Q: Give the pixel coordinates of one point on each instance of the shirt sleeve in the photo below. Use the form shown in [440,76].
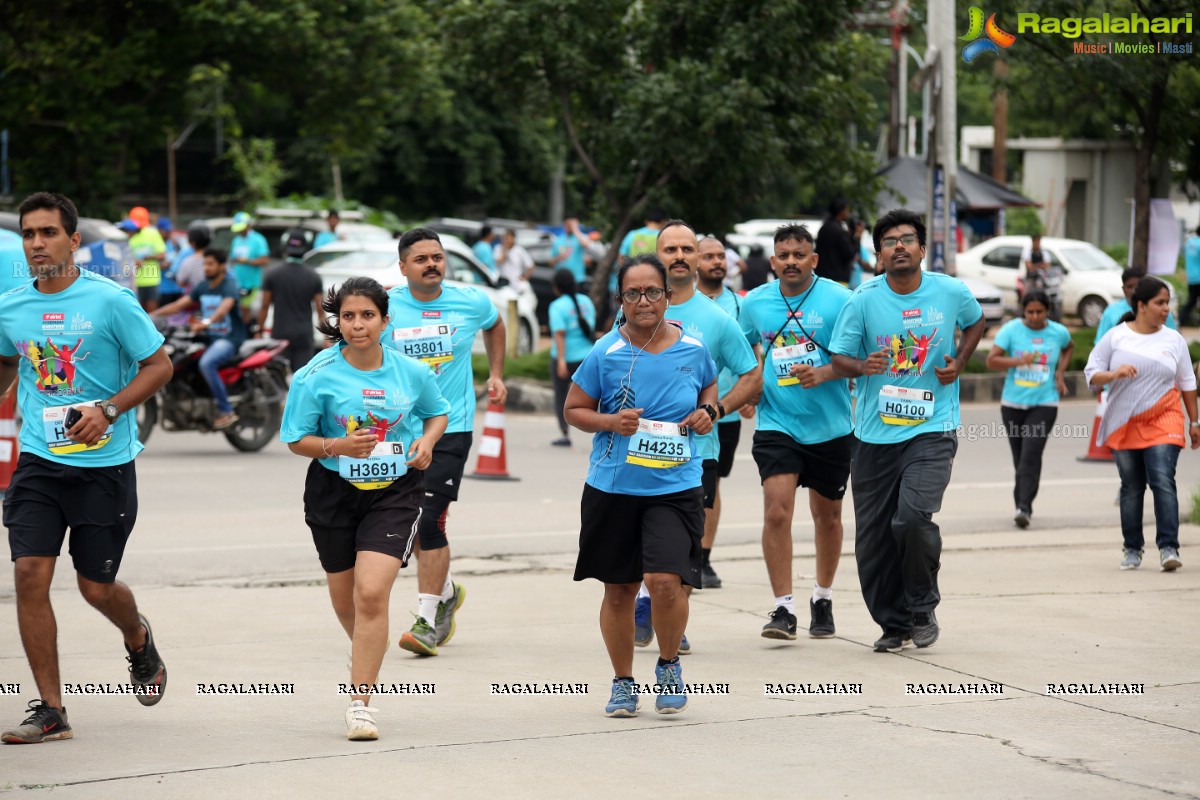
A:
[259,246]
[849,331]
[587,377]
[486,311]
[969,310]
[1100,357]
[430,402]
[1185,376]
[134,330]
[301,413]
[1004,337]
[735,350]
[557,323]
[626,244]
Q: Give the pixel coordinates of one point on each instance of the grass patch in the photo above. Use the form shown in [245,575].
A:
[1194,514]
[534,365]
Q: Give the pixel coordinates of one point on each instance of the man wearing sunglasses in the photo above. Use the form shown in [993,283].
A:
[701,318]
[896,336]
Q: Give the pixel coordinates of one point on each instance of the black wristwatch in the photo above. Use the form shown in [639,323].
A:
[109,409]
[712,412]
[721,408]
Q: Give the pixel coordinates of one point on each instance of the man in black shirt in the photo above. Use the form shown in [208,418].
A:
[836,248]
[295,290]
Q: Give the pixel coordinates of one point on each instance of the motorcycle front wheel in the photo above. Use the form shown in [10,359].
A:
[260,414]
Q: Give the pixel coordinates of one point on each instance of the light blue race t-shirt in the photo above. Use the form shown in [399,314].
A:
[798,330]
[570,245]
[484,252]
[247,247]
[1113,313]
[331,398]
[76,347]
[440,334]
[563,318]
[917,332]
[731,304]
[702,319]
[1034,384]
[666,386]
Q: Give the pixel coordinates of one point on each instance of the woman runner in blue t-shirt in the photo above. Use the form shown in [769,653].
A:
[354,410]
[645,390]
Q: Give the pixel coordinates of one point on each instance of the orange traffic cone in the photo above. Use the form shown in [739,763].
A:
[493,462]
[1097,451]
[8,439]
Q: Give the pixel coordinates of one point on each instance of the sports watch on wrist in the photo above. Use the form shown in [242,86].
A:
[109,409]
[712,412]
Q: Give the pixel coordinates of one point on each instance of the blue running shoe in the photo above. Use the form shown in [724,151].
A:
[623,702]
[671,698]
[643,632]
[685,646]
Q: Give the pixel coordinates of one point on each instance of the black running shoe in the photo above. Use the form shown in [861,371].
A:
[892,641]
[709,579]
[925,629]
[44,724]
[781,626]
[147,672]
[821,615]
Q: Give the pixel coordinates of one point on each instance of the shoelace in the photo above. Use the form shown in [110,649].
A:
[140,666]
[358,711]
[671,676]
[622,692]
[38,709]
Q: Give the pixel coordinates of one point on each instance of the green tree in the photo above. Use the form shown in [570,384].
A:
[699,107]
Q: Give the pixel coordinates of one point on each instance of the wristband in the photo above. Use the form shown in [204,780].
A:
[721,408]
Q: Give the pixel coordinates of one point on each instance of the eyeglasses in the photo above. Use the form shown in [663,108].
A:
[652,295]
[908,240]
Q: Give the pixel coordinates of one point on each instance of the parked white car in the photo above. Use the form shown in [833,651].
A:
[1091,278]
[380,260]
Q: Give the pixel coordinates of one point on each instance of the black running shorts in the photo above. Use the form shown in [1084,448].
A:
[728,434]
[824,466]
[98,504]
[445,473]
[624,536]
[345,520]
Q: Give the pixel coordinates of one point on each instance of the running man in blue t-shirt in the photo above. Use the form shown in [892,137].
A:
[76,470]
[437,324]
[647,391]
[804,424]
[1035,350]
[896,335]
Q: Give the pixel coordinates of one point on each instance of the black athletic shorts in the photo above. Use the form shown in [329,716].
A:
[624,536]
[445,473]
[345,520]
[729,434]
[824,466]
[98,504]
[708,481]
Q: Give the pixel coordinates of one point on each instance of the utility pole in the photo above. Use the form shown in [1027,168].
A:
[1000,120]
[942,177]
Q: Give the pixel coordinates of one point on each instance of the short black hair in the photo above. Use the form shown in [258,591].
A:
[837,205]
[217,253]
[898,216]
[796,231]
[485,231]
[673,223]
[50,201]
[656,215]
[1132,272]
[409,238]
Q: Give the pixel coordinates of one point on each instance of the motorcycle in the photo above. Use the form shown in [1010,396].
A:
[257,382]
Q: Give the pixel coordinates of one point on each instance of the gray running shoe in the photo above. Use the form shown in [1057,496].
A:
[1170,559]
[44,724]
[443,622]
[1132,560]
[925,629]
[147,673]
[421,639]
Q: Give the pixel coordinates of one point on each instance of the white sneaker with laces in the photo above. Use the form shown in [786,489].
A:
[360,725]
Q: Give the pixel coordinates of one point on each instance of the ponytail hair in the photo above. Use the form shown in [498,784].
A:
[1146,290]
[564,282]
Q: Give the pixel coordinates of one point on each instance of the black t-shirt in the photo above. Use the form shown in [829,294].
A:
[292,286]
[835,250]
[757,272]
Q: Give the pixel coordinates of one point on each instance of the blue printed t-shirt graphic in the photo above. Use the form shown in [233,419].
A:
[440,334]
[245,247]
[731,305]
[1032,384]
[76,347]
[976,46]
[811,415]
[563,318]
[666,386]
[331,398]
[916,331]
[569,244]
[704,320]
[208,297]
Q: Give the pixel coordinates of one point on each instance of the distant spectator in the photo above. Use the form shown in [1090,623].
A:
[1191,258]
[175,241]
[570,249]
[514,261]
[330,236]
[639,242]
[837,246]
[295,289]
[190,270]
[484,249]
[758,269]
[572,324]
[249,254]
[149,249]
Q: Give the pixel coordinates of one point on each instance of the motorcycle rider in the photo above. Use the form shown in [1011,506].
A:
[1041,275]
[217,298]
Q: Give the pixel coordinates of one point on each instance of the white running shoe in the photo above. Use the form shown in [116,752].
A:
[360,725]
